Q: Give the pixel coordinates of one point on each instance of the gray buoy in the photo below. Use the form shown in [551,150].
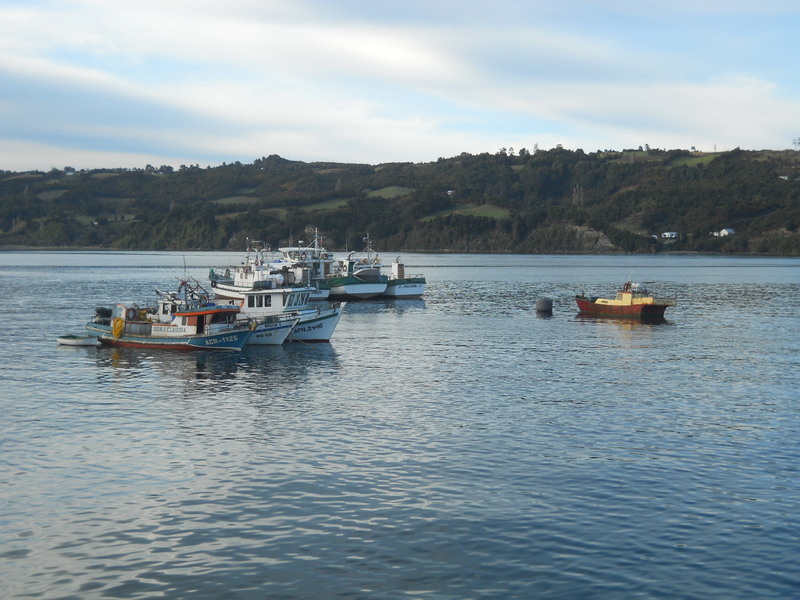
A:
[544,305]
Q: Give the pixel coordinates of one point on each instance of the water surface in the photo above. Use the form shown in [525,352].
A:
[458,446]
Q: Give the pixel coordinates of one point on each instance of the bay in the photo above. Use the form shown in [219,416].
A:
[458,446]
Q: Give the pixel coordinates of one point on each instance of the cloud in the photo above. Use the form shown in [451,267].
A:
[203,82]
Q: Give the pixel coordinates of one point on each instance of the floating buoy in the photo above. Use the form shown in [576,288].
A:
[544,305]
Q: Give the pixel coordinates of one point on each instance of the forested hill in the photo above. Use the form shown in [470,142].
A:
[548,201]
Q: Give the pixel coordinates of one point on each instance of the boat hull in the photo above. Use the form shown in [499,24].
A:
[319,295]
[233,339]
[352,288]
[411,287]
[271,332]
[316,326]
[636,311]
[77,340]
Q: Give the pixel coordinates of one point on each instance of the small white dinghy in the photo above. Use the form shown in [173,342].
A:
[77,340]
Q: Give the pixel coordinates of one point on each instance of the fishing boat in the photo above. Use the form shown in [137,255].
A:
[261,292]
[77,340]
[311,323]
[357,277]
[399,285]
[632,300]
[306,265]
[269,329]
[255,272]
[183,320]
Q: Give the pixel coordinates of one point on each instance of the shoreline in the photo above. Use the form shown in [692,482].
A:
[20,248]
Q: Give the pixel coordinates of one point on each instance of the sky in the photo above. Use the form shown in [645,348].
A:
[98,84]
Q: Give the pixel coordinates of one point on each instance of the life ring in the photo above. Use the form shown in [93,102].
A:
[117,327]
[130,314]
[324,256]
[302,256]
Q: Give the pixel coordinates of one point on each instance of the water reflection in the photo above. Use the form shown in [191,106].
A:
[255,368]
[624,322]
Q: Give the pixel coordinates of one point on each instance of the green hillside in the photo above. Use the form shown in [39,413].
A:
[548,201]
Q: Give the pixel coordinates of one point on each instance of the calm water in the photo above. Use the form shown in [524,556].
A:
[459,446]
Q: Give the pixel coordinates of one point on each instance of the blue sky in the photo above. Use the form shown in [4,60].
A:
[93,83]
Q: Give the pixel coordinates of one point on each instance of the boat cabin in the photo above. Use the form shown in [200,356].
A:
[366,269]
[172,316]
[261,303]
[304,265]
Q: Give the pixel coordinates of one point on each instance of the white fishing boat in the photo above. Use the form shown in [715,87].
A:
[255,272]
[357,277]
[401,285]
[312,323]
[261,292]
[306,265]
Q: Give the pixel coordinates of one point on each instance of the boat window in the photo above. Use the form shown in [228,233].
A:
[260,301]
[251,301]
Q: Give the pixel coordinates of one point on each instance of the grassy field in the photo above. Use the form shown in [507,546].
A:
[235,200]
[327,205]
[694,160]
[473,210]
[393,191]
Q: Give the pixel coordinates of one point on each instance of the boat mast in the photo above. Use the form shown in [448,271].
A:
[369,247]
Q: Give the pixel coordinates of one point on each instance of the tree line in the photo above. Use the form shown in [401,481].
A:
[542,201]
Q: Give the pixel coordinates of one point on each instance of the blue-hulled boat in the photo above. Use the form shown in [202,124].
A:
[183,320]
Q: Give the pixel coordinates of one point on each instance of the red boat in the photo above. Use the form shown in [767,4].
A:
[632,300]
